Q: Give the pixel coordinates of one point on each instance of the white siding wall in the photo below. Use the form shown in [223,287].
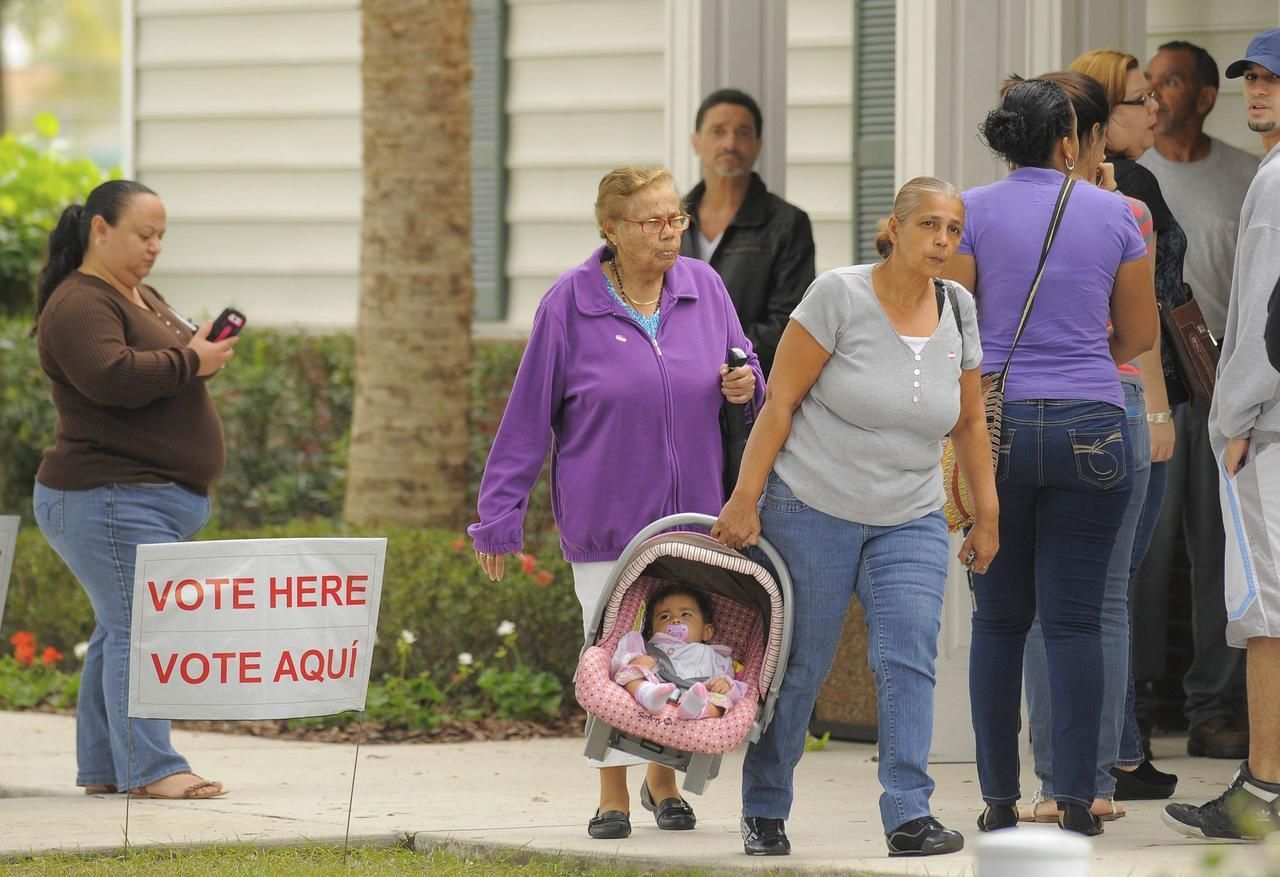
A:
[1224,30]
[820,122]
[247,122]
[585,93]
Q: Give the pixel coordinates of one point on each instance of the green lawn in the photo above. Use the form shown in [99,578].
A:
[318,860]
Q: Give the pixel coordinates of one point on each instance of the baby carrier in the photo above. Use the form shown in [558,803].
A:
[751,617]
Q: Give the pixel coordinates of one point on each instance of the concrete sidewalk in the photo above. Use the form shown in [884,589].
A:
[535,795]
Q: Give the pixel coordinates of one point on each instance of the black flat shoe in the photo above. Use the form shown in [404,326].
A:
[997,817]
[1145,783]
[1078,818]
[672,814]
[764,837]
[925,836]
[609,825]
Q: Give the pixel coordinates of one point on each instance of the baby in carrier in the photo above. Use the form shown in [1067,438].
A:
[677,658]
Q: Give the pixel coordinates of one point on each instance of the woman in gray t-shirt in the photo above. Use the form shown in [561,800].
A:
[877,365]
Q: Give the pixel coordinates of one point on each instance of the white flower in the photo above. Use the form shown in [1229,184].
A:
[465,659]
[506,628]
[81,650]
[408,637]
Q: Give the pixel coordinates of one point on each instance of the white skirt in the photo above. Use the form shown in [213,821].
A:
[589,581]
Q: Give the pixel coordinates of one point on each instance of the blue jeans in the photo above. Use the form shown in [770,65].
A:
[1131,754]
[1115,625]
[1064,484]
[97,533]
[898,574]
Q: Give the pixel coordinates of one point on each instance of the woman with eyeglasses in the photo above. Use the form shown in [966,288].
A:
[623,380]
[1130,133]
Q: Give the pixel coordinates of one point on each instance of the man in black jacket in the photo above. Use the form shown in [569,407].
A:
[761,246]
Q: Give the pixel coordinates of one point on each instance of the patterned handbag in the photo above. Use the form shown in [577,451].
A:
[958,506]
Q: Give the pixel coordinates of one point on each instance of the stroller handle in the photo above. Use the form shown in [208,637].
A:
[686,519]
[670,522]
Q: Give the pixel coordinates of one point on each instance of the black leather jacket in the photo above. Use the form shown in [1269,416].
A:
[765,258]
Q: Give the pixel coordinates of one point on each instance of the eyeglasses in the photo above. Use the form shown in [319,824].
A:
[655,225]
[1146,98]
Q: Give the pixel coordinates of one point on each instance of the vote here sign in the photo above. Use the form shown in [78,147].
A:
[254,628]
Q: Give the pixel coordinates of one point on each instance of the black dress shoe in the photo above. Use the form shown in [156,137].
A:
[1219,737]
[1078,818]
[997,817]
[925,836]
[1144,783]
[672,814]
[609,825]
[764,837]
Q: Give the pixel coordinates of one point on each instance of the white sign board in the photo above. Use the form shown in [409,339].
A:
[253,629]
[8,542]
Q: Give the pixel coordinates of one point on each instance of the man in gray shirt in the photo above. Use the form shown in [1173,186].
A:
[1204,182]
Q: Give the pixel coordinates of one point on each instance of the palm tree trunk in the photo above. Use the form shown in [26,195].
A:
[408,455]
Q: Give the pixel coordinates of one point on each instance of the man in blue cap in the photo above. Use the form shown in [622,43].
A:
[1244,429]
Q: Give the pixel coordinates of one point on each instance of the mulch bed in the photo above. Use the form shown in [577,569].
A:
[452,731]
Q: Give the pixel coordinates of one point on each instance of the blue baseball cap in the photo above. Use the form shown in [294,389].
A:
[1264,50]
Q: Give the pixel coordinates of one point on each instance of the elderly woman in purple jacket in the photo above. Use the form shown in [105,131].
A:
[623,379]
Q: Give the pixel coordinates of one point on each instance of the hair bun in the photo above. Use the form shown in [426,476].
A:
[1006,131]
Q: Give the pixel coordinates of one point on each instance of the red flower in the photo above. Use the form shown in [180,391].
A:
[459,544]
[50,656]
[24,647]
[528,564]
[544,577]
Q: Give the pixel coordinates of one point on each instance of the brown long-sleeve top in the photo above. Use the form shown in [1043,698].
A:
[131,407]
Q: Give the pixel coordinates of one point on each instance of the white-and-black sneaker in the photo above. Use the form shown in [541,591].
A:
[1247,810]
[925,836]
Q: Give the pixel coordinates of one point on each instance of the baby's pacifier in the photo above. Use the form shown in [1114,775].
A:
[678,631]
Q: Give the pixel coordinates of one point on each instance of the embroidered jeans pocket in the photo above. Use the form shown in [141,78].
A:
[1099,455]
[49,505]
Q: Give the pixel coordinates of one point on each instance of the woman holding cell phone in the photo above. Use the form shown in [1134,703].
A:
[137,446]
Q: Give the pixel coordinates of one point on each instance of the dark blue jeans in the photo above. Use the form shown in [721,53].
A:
[1063,481]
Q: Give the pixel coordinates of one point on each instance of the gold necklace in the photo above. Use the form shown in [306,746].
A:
[613,263]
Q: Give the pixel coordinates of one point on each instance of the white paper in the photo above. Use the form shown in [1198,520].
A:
[254,629]
[8,543]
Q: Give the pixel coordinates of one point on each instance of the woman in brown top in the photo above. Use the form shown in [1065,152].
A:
[137,445]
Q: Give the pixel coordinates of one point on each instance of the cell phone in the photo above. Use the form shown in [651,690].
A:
[228,325]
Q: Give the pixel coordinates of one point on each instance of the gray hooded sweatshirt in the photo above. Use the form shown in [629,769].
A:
[1246,399]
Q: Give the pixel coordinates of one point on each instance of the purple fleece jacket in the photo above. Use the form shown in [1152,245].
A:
[633,424]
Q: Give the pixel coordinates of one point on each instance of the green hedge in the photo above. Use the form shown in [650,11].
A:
[286,411]
[431,587]
[286,407]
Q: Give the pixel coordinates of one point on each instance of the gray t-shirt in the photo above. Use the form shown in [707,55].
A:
[1205,197]
[1246,398]
[866,442]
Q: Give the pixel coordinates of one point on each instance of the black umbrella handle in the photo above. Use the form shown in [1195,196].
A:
[735,427]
